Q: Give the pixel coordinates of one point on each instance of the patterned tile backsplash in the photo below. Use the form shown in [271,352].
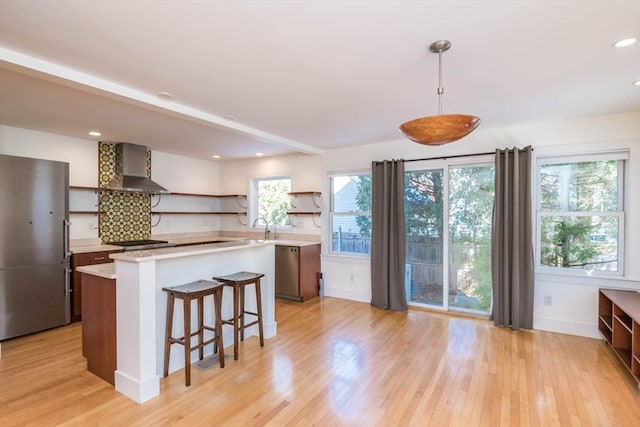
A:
[127,216]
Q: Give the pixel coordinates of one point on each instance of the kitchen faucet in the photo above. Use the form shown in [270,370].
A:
[266,227]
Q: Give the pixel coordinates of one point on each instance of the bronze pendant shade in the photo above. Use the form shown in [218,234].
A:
[442,128]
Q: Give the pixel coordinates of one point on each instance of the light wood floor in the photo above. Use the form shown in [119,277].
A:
[340,363]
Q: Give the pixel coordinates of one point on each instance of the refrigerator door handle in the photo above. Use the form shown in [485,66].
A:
[67,250]
[67,281]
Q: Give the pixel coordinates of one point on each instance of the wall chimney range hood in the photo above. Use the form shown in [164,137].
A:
[131,171]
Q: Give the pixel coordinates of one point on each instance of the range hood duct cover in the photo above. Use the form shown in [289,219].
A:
[131,171]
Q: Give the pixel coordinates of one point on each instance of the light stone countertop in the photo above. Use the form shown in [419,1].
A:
[94,245]
[185,251]
[81,248]
[298,243]
[108,271]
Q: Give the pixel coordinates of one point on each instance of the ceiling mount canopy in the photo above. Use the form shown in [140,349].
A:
[442,128]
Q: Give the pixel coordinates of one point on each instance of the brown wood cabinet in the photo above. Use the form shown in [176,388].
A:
[99,326]
[619,322]
[78,260]
[297,276]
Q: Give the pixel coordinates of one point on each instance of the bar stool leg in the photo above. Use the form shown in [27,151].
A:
[236,315]
[168,332]
[242,309]
[218,344]
[187,339]
[259,310]
[200,327]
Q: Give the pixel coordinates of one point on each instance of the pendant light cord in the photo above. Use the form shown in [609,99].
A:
[440,88]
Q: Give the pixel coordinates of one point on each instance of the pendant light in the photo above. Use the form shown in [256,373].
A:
[442,128]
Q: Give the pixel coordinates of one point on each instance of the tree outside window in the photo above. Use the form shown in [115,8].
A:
[272,199]
[581,215]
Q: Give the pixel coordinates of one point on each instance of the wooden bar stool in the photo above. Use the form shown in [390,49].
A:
[239,281]
[194,291]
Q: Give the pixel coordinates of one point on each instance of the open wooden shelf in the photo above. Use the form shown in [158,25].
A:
[241,201]
[87,212]
[215,196]
[619,322]
[304,193]
[78,187]
[305,203]
[195,213]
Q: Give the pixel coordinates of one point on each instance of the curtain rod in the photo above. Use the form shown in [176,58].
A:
[453,157]
[450,157]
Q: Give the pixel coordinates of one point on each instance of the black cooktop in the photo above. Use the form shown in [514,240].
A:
[134,245]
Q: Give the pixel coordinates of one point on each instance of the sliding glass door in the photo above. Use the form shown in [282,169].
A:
[448,220]
[423,206]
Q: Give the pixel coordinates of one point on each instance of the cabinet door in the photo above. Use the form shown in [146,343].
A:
[309,270]
[78,260]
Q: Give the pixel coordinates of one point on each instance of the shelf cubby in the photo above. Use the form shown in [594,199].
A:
[619,323]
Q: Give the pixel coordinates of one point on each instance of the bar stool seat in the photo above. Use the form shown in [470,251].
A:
[194,291]
[239,281]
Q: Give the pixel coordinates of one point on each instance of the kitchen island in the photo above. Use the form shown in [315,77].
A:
[141,304]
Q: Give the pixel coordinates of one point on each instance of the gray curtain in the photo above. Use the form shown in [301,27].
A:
[511,240]
[388,235]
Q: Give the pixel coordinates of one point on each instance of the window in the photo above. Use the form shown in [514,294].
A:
[270,200]
[350,216]
[581,214]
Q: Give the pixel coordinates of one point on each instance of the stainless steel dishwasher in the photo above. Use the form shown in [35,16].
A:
[287,269]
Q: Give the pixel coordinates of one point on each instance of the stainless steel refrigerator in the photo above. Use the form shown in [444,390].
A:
[34,245]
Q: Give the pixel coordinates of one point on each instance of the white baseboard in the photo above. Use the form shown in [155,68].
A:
[137,391]
[588,330]
[348,294]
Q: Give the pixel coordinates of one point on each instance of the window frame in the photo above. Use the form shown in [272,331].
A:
[253,201]
[621,214]
[333,214]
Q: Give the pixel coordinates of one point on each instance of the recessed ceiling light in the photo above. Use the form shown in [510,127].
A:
[95,133]
[625,42]
[165,95]
[216,156]
[259,154]
[636,83]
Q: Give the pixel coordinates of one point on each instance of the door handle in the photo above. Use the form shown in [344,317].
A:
[66,225]
[67,281]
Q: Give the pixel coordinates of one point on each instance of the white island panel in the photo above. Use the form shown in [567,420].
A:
[141,305]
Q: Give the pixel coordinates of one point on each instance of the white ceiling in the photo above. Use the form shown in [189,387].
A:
[305,76]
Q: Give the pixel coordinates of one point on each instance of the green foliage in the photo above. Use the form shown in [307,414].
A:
[363,201]
[483,289]
[471,199]
[273,200]
[580,186]
[471,204]
[423,203]
[570,246]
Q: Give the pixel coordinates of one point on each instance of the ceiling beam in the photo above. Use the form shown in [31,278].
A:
[56,73]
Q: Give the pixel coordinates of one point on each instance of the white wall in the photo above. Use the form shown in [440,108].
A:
[184,175]
[81,154]
[306,172]
[573,308]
